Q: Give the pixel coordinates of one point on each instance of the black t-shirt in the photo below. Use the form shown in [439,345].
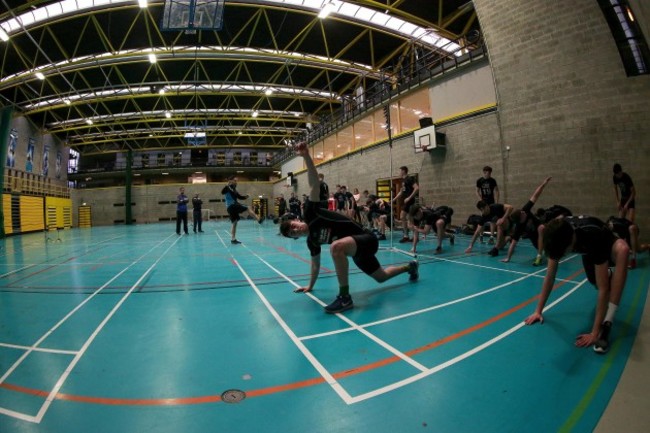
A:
[196,204]
[530,224]
[282,206]
[497,211]
[326,226]
[407,187]
[294,205]
[625,185]
[324,193]
[593,238]
[486,188]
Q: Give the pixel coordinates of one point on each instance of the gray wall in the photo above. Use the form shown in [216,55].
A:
[146,198]
[565,109]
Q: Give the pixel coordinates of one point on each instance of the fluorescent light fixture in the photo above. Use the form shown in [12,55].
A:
[89,121]
[240,171]
[143,3]
[327,10]
[240,133]
[3,35]
[40,75]
[194,134]
[256,113]
[164,174]
[136,174]
[67,101]
[268,92]
[152,58]
[161,91]
[168,114]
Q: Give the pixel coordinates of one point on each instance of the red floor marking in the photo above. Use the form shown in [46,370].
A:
[278,388]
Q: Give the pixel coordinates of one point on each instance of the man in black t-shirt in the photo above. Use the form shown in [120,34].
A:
[487,190]
[626,201]
[497,214]
[408,195]
[524,223]
[599,247]
[323,191]
[347,239]
[438,217]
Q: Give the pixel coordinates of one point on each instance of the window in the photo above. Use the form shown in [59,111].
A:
[630,42]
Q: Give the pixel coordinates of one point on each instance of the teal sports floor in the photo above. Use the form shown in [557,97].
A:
[135,329]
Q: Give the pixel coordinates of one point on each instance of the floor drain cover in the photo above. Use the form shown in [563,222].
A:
[233,396]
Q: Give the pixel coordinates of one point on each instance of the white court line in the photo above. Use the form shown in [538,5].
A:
[433,307]
[39,349]
[310,357]
[354,326]
[77,354]
[31,265]
[457,359]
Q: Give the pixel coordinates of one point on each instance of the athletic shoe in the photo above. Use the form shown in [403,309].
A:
[494,252]
[538,261]
[341,303]
[413,270]
[405,240]
[602,345]
[632,264]
[261,220]
[452,239]
[438,250]
[235,241]
[491,240]
[381,237]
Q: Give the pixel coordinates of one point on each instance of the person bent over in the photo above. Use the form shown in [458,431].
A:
[440,217]
[599,247]
[347,239]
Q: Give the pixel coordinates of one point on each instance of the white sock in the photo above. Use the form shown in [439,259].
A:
[611,311]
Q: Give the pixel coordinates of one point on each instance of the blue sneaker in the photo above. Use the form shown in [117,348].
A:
[340,304]
[413,270]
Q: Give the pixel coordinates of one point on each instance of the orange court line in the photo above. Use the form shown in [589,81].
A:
[285,387]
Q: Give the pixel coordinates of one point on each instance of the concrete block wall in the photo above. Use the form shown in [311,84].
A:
[566,107]
[147,208]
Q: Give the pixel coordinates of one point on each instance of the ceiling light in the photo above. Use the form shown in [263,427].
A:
[40,75]
[256,113]
[240,133]
[327,10]
[3,35]
[164,174]
[194,135]
[168,114]
[89,121]
[143,3]
[67,101]
[161,91]
[152,58]
[268,92]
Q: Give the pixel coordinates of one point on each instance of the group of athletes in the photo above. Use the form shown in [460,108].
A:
[554,232]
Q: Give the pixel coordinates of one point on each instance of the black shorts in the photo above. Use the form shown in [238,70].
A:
[407,206]
[367,246]
[234,210]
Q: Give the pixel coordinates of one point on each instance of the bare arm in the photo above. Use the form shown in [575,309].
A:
[312,174]
[496,194]
[539,189]
[547,286]
[602,283]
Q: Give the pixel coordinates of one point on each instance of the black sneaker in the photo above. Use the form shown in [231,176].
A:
[235,241]
[438,250]
[452,239]
[261,220]
[494,252]
[602,345]
[413,270]
[340,304]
